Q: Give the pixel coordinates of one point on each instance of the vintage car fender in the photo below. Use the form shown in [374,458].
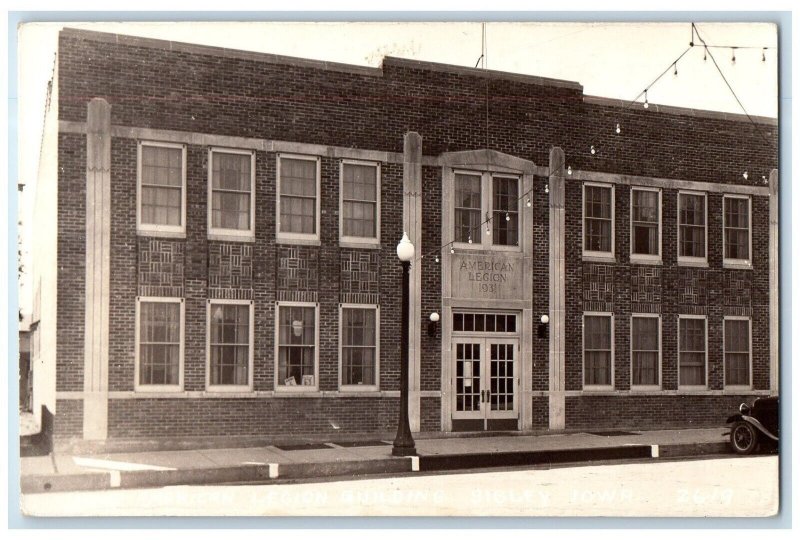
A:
[752,421]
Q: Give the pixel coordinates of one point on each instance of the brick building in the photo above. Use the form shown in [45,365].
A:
[223,259]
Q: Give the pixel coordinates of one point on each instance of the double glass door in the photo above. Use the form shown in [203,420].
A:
[485,383]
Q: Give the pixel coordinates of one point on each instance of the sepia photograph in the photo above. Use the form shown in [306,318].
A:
[376,268]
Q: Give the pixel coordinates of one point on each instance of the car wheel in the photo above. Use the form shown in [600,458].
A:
[744,438]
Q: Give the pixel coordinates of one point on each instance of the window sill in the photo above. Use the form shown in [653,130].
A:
[161,234]
[298,241]
[598,388]
[696,263]
[232,389]
[350,244]
[737,265]
[357,390]
[731,389]
[645,388]
[692,389]
[283,391]
[225,237]
[642,259]
[599,257]
[157,389]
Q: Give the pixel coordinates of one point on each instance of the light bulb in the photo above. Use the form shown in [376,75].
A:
[488,232]
[745,175]
[764,54]
[646,104]
[618,130]
[437,259]
[676,69]
[547,188]
[705,57]
[528,202]
[508,218]
[469,239]
[733,56]
[569,170]
[593,150]
[452,251]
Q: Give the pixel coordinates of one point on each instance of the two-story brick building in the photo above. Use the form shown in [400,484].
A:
[223,259]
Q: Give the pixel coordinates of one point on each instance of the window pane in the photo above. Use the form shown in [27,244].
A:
[644,219]
[597,350]
[597,222]
[230,171]
[360,182]
[467,207]
[298,215]
[297,341]
[737,228]
[692,220]
[692,352]
[358,346]
[505,193]
[645,349]
[162,166]
[737,352]
[230,344]
[160,206]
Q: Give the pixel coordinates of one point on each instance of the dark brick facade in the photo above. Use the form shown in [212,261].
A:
[240,96]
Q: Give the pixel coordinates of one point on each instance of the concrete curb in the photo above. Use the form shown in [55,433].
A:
[47,483]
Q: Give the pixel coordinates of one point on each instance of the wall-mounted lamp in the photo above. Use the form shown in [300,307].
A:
[434,318]
[542,330]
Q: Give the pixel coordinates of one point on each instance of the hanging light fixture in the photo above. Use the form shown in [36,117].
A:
[675,65]
[745,175]
[733,55]
[547,188]
[618,130]
[593,150]
[646,104]
[569,170]
[764,54]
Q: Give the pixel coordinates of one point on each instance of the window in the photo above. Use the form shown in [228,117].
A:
[468,208]
[645,350]
[505,211]
[645,224]
[692,351]
[298,198]
[479,196]
[737,351]
[597,350]
[358,337]
[360,202]
[230,345]
[296,342]
[159,344]
[692,227]
[598,220]
[231,187]
[736,229]
[161,188]
[484,322]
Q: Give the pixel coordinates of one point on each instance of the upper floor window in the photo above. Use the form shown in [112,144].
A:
[298,198]
[360,202]
[645,224]
[359,347]
[598,354]
[231,208]
[162,188]
[159,344]
[736,229]
[230,344]
[486,210]
[692,351]
[692,227]
[598,220]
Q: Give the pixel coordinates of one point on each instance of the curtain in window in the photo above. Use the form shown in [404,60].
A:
[296,343]
[298,196]
[645,222]
[467,207]
[692,352]
[358,346]
[597,350]
[737,352]
[159,342]
[359,200]
[230,196]
[597,211]
[644,345]
[230,344]
[161,185]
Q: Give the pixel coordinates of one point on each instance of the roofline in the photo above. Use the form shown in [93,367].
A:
[192,48]
[685,111]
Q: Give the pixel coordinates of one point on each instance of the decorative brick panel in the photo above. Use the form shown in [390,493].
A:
[298,268]
[161,267]
[360,271]
[230,271]
[692,286]
[646,284]
[598,286]
[738,284]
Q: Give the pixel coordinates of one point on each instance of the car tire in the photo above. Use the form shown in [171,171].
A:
[744,438]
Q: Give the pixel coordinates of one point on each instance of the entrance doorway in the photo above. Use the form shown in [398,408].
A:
[485,383]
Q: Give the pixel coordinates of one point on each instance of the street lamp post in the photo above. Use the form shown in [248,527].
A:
[404,442]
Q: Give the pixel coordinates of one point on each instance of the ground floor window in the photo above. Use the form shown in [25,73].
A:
[359,346]
[230,343]
[297,339]
[737,352]
[159,343]
[645,350]
[692,353]
[597,349]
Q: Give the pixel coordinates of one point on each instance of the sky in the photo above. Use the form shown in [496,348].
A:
[616,60]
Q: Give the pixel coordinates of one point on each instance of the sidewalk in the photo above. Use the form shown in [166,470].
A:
[64,472]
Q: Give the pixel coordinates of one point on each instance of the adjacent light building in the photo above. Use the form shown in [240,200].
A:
[220,262]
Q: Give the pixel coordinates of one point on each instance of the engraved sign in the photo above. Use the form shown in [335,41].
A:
[490,276]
